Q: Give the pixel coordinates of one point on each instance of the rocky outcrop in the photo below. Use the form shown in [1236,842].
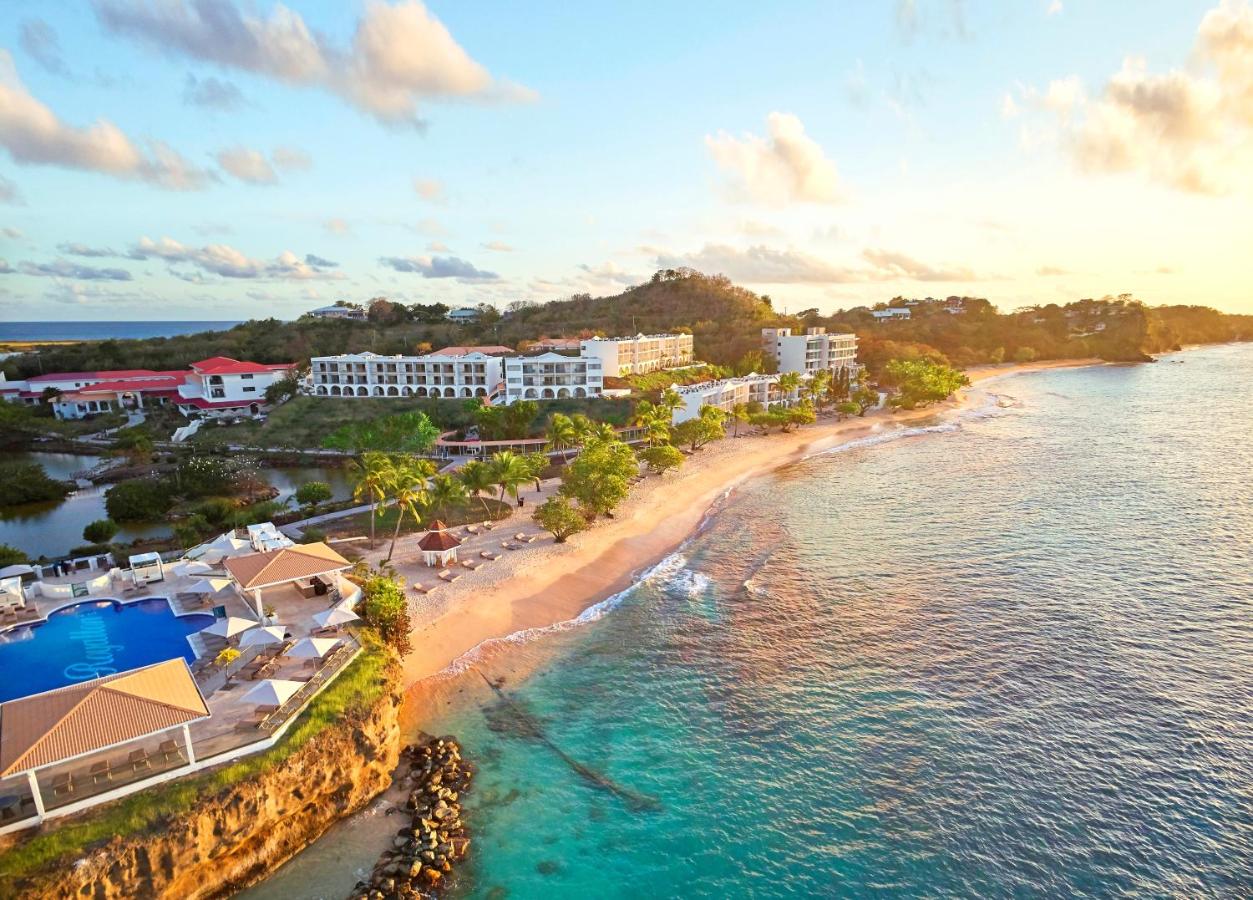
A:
[228,841]
[424,851]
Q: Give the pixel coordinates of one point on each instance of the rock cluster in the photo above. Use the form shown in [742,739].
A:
[423,852]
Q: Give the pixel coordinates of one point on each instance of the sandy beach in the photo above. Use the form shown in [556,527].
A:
[549,583]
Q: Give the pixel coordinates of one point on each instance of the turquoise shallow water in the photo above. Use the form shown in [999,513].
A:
[1006,655]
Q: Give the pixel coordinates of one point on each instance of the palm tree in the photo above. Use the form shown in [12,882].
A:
[509,471]
[445,490]
[583,427]
[537,464]
[477,477]
[655,420]
[561,433]
[372,475]
[409,490]
[820,386]
[739,413]
[670,401]
[787,383]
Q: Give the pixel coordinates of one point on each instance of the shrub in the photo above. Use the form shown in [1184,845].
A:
[217,510]
[100,531]
[661,458]
[312,535]
[387,611]
[558,515]
[207,476]
[29,483]
[140,500]
[311,493]
[11,556]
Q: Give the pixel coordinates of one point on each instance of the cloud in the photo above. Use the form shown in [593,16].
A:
[5,268]
[33,135]
[319,261]
[429,189]
[9,193]
[1054,8]
[252,166]
[211,93]
[439,267]
[498,246]
[12,234]
[760,264]
[226,261]
[437,247]
[1191,130]
[1051,271]
[41,44]
[786,167]
[429,228]
[911,22]
[399,57]
[76,249]
[337,226]
[892,265]
[62,268]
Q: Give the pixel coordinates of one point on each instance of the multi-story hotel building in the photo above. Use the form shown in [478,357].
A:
[638,355]
[807,353]
[454,372]
[726,393]
[551,376]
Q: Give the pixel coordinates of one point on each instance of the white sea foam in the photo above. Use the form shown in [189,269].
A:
[669,569]
[884,437]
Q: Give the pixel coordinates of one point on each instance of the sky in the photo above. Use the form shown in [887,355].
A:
[227,159]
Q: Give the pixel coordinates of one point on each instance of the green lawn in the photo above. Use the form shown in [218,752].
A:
[357,688]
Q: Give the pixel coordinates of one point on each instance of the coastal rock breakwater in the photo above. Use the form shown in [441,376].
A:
[424,851]
[232,839]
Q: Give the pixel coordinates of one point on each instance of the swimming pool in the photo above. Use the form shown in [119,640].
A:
[90,639]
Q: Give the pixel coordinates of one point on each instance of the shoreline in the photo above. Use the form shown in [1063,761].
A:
[553,584]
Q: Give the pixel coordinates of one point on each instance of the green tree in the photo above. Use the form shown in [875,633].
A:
[849,408]
[536,465]
[788,382]
[800,414]
[820,387]
[706,427]
[1025,354]
[408,486]
[670,401]
[558,515]
[11,556]
[28,483]
[738,415]
[864,399]
[445,491]
[100,531]
[386,611]
[477,477]
[311,493]
[372,477]
[919,382]
[661,458]
[599,478]
[281,391]
[509,472]
[138,500]
[561,433]
[655,420]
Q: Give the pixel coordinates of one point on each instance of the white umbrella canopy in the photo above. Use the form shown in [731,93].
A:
[209,586]
[229,626]
[263,637]
[336,615]
[196,567]
[272,692]
[312,648]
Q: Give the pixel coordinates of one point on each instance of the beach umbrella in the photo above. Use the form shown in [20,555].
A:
[195,568]
[312,648]
[229,627]
[263,637]
[209,586]
[273,692]
[336,615]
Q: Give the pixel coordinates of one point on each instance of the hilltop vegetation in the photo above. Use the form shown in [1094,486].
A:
[724,319]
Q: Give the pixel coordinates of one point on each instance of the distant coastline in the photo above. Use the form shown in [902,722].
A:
[73,332]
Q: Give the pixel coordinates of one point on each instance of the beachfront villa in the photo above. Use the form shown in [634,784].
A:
[807,353]
[726,393]
[214,387]
[453,372]
[638,355]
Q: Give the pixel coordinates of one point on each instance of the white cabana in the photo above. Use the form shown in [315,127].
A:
[146,567]
[17,571]
[229,626]
[335,616]
[209,586]
[273,692]
[263,637]
[312,648]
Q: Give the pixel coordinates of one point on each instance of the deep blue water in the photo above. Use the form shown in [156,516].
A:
[92,639]
[100,331]
[1006,654]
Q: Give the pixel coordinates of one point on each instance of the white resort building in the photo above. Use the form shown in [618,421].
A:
[725,393]
[622,356]
[451,372]
[807,353]
[213,387]
[551,376]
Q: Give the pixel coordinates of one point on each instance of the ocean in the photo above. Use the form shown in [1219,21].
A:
[101,331]
[1008,652]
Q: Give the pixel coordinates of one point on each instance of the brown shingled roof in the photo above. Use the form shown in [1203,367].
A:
[286,564]
[438,539]
[66,722]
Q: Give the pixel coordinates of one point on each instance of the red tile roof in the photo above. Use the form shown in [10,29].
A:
[224,365]
[202,403]
[287,564]
[105,375]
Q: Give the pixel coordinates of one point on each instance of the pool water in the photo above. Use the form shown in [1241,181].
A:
[91,639]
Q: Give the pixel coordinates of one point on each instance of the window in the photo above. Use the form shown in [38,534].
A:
[247,389]
[246,377]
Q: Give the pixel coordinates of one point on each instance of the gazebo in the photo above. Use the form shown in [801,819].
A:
[439,546]
[71,722]
[303,566]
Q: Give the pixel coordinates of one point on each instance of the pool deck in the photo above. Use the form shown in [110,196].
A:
[234,725]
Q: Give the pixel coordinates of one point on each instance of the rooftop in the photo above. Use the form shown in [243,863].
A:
[288,564]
